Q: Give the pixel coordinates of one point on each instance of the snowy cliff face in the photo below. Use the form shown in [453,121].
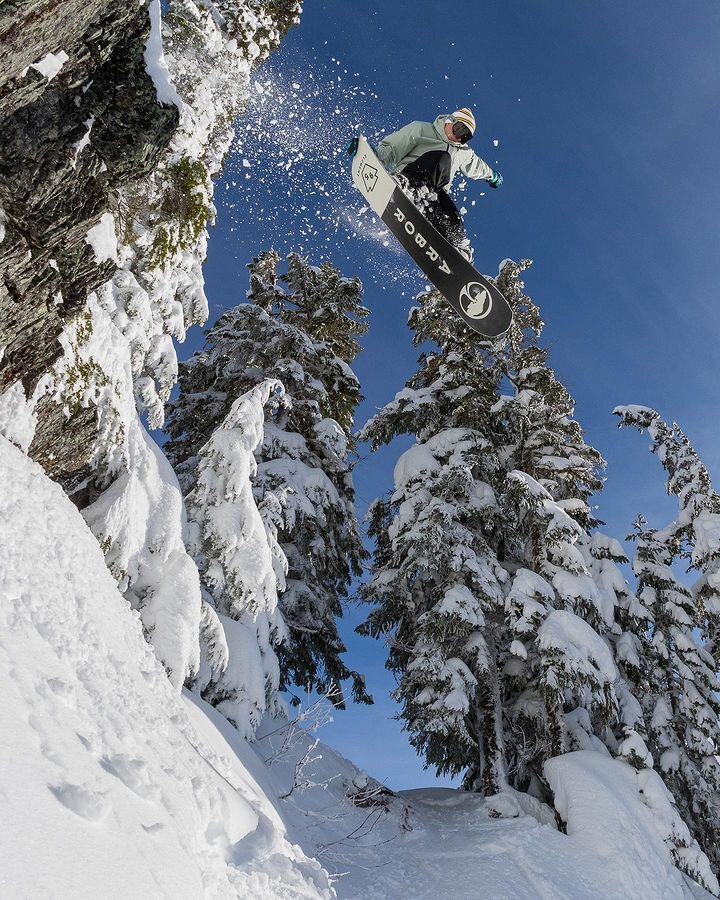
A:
[113,124]
[80,119]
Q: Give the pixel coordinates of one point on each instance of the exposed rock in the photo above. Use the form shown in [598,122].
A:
[55,183]
[57,444]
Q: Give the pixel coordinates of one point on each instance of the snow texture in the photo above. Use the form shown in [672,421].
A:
[155,63]
[707,535]
[141,516]
[415,464]
[94,371]
[49,66]
[102,239]
[17,416]
[578,645]
[625,819]
[240,562]
[79,146]
[223,507]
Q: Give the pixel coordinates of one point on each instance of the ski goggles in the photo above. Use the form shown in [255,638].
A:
[461,132]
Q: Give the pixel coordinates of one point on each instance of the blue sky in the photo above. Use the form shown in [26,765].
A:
[607,123]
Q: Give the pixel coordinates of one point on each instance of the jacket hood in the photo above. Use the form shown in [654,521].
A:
[439,125]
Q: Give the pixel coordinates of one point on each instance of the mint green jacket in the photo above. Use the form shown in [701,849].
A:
[403,147]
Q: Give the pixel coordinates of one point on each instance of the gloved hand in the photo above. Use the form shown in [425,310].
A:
[351,148]
[496,180]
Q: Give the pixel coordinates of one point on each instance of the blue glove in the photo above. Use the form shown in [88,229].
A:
[351,148]
[496,180]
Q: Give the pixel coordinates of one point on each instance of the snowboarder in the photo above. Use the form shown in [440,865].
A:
[474,297]
[429,155]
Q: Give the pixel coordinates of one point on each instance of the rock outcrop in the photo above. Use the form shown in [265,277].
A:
[55,183]
[105,195]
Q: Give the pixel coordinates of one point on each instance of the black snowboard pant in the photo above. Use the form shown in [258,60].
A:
[432,170]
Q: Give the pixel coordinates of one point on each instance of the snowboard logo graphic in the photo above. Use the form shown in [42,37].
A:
[369,175]
[475,300]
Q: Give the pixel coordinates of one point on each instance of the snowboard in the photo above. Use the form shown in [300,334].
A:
[476,299]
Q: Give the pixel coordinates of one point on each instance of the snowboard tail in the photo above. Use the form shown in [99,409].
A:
[476,299]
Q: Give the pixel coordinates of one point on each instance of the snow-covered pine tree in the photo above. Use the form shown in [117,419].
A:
[436,579]
[559,674]
[240,568]
[481,584]
[679,691]
[301,328]
[625,622]
[681,701]
[698,521]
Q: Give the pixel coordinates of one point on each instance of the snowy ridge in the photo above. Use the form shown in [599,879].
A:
[438,843]
[619,814]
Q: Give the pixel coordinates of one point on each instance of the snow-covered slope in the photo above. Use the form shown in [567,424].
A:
[104,790]
[444,844]
[114,786]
